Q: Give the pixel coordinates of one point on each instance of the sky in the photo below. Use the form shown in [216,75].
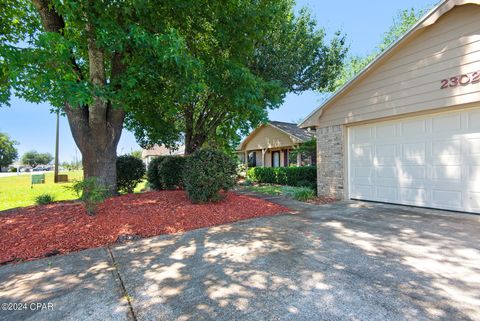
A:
[363,22]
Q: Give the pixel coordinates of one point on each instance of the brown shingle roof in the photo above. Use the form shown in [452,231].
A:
[160,150]
[294,130]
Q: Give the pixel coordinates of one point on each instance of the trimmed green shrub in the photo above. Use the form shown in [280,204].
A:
[293,176]
[44,199]
[130,172]
[153,177]
[166,172]
[170,172]
[92,192]
[206,173]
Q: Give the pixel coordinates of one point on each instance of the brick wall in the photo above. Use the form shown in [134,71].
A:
[330,161]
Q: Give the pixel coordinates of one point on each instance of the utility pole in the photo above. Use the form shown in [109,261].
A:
[55,178]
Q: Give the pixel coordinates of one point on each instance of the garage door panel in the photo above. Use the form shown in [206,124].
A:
[473,146]
[446,123]
[363,192]
[451,173]
[386,172]
[431,161]
[412,172]
[451,147]
[413,196]
[362,135]
[474,200]
[414,153]
[386,193]
[413,128]
[389,130]
[443,198]
[473,120]
[362,154]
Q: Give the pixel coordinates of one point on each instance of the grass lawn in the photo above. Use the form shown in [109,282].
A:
[298,193]
[16,191]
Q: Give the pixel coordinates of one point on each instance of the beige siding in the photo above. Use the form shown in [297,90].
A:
[408,80]
[268,137]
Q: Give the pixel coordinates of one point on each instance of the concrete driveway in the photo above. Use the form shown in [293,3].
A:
[345,261]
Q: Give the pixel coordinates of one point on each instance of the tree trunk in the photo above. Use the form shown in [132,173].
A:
[100,162]
[98,144]
[97,128]
[188,114]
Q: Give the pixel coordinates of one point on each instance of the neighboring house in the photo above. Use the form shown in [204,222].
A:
[270,145]
[406,130]
[160,150]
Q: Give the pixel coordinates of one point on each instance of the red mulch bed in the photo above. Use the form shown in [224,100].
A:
[322,200]
[40,231]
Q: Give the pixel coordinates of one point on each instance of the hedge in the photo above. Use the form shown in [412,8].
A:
[130,172]
[166,172]
[292,176]
[206,173]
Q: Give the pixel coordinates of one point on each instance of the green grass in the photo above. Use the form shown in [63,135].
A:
[298,193]
[16,191]
[266,189]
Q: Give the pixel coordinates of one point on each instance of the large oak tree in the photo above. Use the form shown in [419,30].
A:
[100,61]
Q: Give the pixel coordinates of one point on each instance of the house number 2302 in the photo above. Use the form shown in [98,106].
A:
[462,80]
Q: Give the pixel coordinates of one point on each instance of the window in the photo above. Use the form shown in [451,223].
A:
[276,159]
[252,159]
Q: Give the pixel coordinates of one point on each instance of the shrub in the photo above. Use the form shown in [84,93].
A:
[153,176]
[92,192]
[170,172]
[130,172]
[303,194]
[44,199]
[166,172]
[206,173]
[293,176]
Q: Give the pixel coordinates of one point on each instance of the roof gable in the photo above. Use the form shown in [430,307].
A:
[290,130]
[429,19]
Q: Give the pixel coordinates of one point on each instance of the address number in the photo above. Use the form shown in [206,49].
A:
[462,80]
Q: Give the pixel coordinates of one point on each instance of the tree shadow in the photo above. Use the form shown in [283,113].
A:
[364,263]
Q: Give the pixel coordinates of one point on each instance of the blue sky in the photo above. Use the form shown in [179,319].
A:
[363,22]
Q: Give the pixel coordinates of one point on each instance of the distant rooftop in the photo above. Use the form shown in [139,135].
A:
[293,129]
[160,150]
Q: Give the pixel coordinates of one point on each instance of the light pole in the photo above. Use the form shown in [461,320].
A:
[55,177]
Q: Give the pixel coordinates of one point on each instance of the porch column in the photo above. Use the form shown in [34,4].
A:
[299,159]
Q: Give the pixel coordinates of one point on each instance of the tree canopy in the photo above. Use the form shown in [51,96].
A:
[8,152]
[404,20]
[232,85]
[34,158]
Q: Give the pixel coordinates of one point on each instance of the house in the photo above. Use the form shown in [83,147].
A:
[406,129]
[160,150]
[270,144]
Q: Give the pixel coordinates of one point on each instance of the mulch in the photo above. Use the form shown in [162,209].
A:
[322,200]
[42,231]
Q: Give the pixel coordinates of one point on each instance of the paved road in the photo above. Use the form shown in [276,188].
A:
[7,174]
[346,261]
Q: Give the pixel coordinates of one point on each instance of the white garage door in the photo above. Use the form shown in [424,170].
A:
[430,161]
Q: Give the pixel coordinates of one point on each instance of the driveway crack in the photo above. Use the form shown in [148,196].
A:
[122,284]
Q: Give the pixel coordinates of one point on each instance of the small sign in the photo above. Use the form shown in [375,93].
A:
[38,179]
